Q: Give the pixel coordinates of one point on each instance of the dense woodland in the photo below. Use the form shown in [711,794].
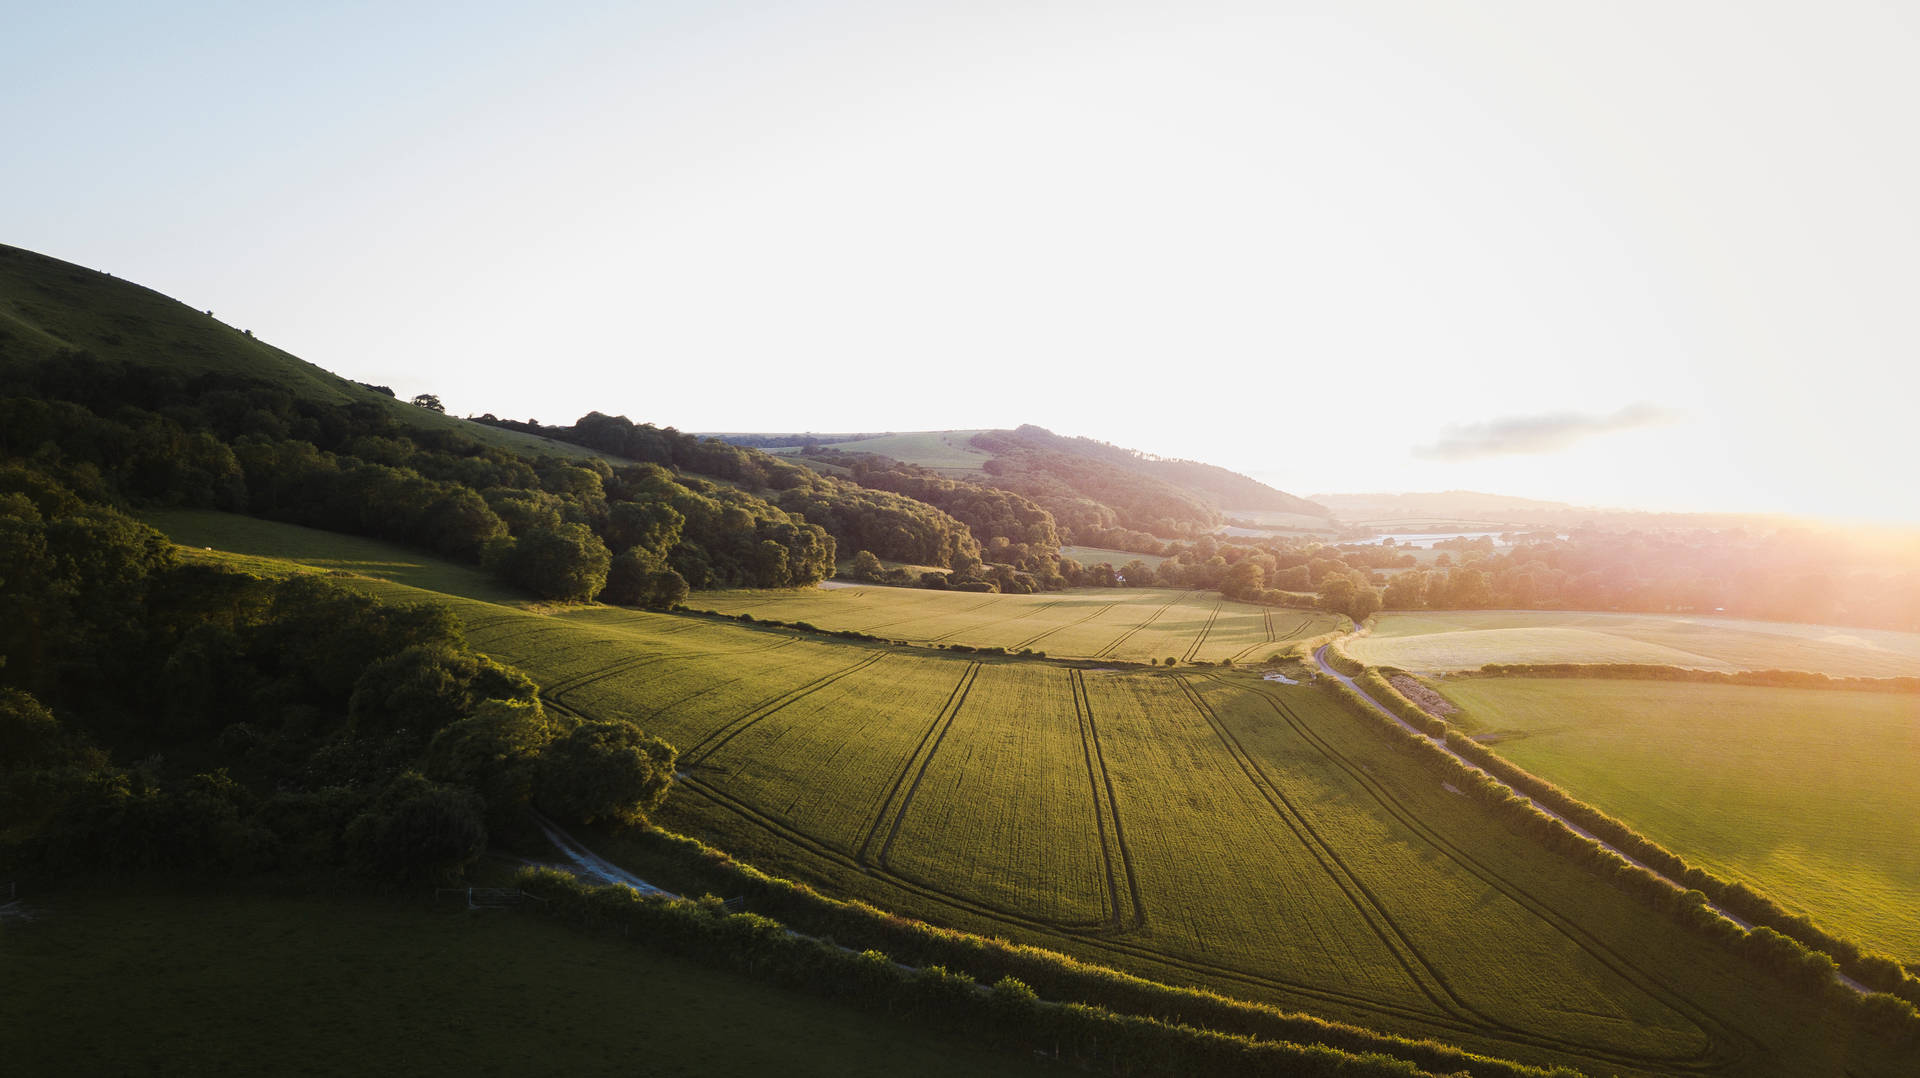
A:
[163,713]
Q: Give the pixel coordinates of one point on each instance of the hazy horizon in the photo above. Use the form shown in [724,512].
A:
[1542,252]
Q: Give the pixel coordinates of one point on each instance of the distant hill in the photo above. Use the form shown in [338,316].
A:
[50,309]
[1095,490]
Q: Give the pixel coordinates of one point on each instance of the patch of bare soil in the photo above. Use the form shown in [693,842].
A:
[1426,699]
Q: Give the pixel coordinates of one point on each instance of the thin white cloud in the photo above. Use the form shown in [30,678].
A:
[1530,435]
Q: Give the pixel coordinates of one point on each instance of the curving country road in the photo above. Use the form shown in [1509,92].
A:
[1320,660]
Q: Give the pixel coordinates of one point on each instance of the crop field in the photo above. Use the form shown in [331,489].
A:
[1202,828]
[1255,839]
[1133,624]
[1812,796]
[1440,641]
[1094,555]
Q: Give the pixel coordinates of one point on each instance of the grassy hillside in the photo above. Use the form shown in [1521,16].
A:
[49,307]
[1460,640]
[1809,795]
[1212,830]
[949,452]
[168,982]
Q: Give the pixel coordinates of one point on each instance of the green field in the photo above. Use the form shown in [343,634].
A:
[942,450]
[1208,829]
[1129,624]
[1094,555]
[1809,795]
[205,529]
[152,982]
[1441,641]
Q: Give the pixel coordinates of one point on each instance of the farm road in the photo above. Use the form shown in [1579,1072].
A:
[589,865]
[1320,660]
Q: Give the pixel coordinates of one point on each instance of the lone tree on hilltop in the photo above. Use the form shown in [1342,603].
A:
[430,402]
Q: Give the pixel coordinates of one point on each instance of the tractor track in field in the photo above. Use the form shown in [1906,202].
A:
[982,605]
[717,740]
[1418,968]
[1090,934]
[1273,638]
[562,688]
[827,851]
[1193,649]
[936,733]
[1099,778]
[1114,644]
[1037,637]
[1708,1059]
[1030,612]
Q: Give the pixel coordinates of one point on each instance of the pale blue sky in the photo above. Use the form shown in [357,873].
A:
[1641,254]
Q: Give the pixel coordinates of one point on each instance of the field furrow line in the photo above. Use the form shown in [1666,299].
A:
[826,851]
[1093,936]
[718,739]
[1037,637]
[1029,612]
[906,801]
[982,605]
[568,685]
[935,730]
[1200,641]
[1418,969]
[1101,784]
[1705,1060]
[1128,635]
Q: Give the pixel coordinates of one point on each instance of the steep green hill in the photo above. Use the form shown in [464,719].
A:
[51,310]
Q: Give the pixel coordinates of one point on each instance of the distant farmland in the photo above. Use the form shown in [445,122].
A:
[1134,624]
[1810,795]
[1447,640]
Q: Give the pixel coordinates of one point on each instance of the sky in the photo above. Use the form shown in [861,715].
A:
[1653,255]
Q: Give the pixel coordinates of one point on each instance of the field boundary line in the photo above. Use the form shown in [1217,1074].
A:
[945,715]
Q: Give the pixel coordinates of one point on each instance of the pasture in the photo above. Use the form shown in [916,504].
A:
[1431,641]
[201,529]
[158,982]
[1810,795]
[1128,624]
